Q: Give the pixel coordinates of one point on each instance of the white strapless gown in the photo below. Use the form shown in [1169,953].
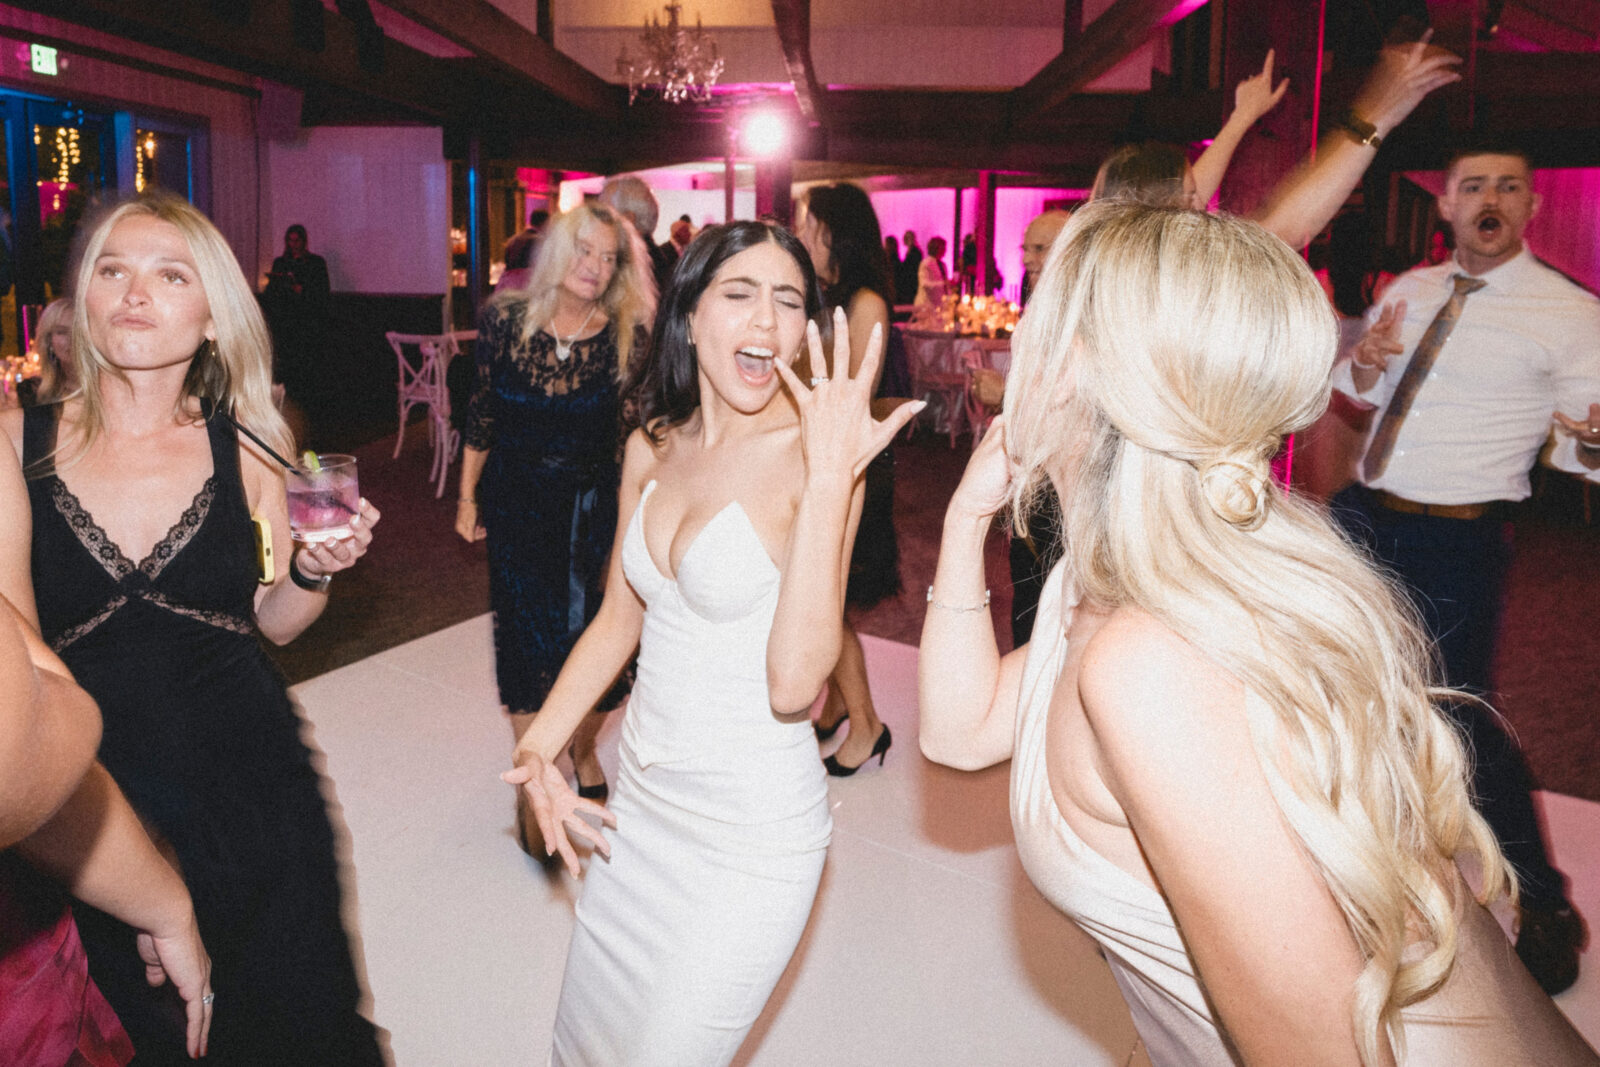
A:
[722,823]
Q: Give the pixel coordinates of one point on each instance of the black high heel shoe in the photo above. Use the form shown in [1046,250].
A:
[825,733]
[880,748]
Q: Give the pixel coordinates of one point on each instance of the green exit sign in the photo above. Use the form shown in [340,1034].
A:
[44,60]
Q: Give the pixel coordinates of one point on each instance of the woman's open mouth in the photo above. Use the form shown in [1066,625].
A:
[755,364]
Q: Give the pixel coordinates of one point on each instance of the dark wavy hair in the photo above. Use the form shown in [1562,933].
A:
[855,242]
[667,382]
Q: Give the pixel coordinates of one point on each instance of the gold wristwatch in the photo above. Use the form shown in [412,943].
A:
[1364,132]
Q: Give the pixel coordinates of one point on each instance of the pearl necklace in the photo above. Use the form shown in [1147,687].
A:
[564,348]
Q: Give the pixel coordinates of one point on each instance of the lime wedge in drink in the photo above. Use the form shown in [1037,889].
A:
[309,460]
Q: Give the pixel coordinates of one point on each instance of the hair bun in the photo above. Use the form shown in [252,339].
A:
[1235,488]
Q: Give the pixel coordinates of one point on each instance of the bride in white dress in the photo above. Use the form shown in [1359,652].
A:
[728,575]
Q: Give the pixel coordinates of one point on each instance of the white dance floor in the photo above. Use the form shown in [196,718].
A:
[927,947]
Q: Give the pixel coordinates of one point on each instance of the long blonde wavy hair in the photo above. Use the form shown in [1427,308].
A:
[629,301]
[1164,356]
[234,373]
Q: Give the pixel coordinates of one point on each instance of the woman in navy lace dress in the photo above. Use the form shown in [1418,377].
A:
[540,467]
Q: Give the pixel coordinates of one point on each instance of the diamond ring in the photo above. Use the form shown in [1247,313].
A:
[208,998]
[817,381]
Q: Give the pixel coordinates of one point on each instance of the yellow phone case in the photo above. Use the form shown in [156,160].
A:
[269,572]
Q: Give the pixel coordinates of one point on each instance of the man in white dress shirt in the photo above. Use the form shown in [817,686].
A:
[1471,362]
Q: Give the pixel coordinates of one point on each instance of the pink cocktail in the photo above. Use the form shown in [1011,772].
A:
[322,502]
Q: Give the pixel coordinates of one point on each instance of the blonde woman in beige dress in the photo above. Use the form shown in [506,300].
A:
[1227,763]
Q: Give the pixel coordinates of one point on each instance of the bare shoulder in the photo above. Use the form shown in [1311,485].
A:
[1144,687]
[868,304]
[640,458]
[11,423]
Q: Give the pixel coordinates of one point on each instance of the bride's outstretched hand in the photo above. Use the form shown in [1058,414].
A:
[556,805]
[837,431]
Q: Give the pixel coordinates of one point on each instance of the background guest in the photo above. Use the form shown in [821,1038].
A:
[296,301]
[891,256]
[1455,431]
[520,252]
[630,197]
[52,339]
[907,279]
[540,465]
[840,231]
[682,234]
[1036,241]
[931,274]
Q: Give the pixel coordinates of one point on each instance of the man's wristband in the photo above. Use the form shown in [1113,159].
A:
[310,585]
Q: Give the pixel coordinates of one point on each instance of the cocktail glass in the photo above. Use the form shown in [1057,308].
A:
[322,502]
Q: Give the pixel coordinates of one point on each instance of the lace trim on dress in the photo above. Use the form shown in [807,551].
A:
[105,550]
[89,533]
[66,637]
[182,531]
[102,548]
[501,349]
[220,619]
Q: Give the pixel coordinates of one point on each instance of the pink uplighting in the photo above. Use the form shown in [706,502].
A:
[932,211]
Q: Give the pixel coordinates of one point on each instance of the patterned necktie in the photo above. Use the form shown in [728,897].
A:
[1422,360]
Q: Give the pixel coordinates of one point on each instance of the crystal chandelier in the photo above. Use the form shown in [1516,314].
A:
[678,63]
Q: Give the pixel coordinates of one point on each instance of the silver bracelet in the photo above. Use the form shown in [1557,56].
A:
[952,607]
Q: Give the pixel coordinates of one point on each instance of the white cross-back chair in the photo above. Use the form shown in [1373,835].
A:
[423,361]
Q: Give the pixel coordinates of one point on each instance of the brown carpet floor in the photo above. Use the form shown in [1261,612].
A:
[419,577]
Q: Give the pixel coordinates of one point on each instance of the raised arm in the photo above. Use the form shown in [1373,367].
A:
[1174,749]
[1304,202]
[839,438]
[1254,97]
[967,693]
[593,665]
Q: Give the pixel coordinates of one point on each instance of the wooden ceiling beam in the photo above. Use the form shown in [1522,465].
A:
[1119,31]
[411,86]
[793,20]
[486,31]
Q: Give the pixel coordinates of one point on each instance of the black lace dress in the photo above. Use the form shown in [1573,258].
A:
[548,495]
[201,736]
